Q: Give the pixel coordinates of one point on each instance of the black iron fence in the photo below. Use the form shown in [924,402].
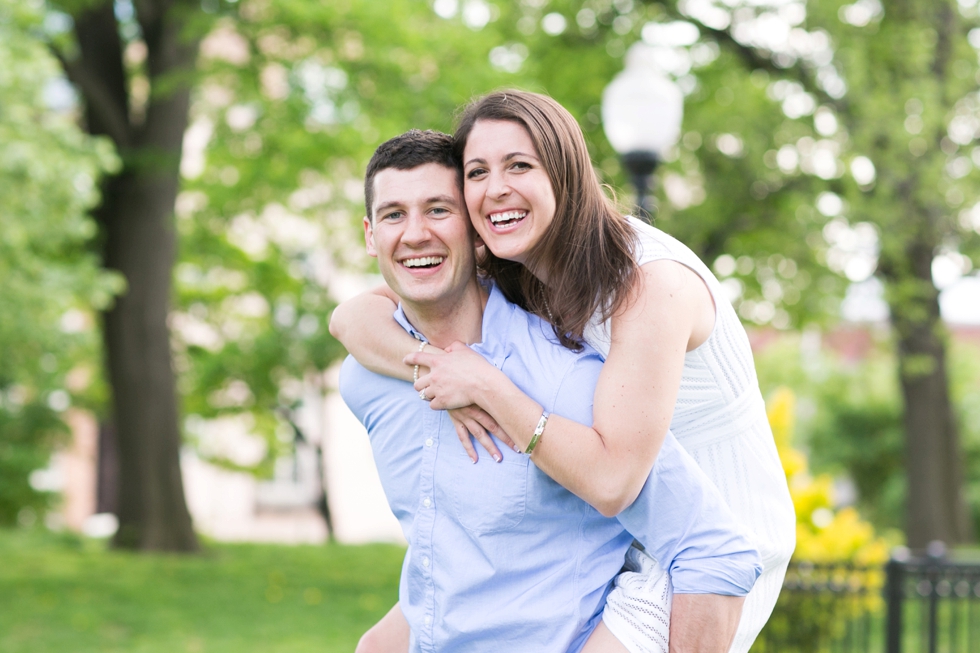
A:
[933,604]
[915,604]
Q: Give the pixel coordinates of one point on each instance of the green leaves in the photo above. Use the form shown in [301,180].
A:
[50,282]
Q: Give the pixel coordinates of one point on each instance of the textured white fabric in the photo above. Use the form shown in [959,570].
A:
[720,419]
[637,608]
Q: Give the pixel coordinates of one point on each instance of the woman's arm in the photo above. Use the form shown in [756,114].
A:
[365,326]
[606,465]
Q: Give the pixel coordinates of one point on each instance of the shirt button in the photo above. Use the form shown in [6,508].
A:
[428,620]
[428,442]
[425,562]
[426,502]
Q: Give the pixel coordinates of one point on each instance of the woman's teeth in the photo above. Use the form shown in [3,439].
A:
[423,262]
[507,216]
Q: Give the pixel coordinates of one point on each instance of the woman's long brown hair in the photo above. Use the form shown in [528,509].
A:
[587,251]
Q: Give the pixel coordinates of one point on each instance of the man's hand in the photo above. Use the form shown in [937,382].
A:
[704,623]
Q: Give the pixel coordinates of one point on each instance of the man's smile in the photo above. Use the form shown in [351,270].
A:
[423,261]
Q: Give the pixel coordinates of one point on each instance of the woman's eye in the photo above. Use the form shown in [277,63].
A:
[475,172]
[521,165]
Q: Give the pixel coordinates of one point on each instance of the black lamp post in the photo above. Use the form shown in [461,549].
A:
[641,113]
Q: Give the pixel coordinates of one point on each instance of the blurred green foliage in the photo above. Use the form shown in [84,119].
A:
[291,100]
[292,97]
[49,280]
[850,417]
[60,593]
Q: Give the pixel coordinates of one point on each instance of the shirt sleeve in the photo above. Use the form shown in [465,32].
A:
[682,520]
[576,391]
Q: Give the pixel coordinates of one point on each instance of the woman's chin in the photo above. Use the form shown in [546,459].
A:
[509,252]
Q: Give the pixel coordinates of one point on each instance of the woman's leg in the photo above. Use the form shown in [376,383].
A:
[603,641]
[390,635]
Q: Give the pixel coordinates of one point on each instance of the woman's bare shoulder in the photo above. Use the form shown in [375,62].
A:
[668,297]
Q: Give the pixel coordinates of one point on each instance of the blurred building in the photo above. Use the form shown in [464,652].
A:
[236,506]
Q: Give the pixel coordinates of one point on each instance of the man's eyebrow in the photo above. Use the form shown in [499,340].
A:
[387,205]
[435,199]
[444,199]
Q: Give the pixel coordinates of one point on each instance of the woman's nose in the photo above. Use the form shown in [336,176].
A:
[497,186]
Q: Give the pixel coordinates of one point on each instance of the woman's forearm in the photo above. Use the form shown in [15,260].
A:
[607,472]
[604,473]
[605,464]
[366,327]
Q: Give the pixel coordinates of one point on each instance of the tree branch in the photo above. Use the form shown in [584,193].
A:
[751,57]
[99,100]
[945,29]
[754,58]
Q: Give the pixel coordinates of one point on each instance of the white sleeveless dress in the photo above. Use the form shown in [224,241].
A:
[720,419]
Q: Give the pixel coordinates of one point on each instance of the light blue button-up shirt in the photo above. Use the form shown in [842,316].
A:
[501,557]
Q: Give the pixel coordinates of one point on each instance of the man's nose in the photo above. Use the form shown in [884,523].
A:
[416,228]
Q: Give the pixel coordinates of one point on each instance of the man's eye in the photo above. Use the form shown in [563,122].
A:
[394,215]
[439,212]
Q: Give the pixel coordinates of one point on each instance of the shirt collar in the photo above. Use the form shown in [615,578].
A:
[496,321]
[405,324]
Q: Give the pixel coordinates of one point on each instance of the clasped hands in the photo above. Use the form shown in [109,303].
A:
[456,379]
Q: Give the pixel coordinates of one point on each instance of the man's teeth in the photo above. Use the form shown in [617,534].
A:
[507,216]
[423,261]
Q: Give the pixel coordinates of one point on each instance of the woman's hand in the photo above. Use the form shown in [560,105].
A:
[423,370]
[474,422]
[457,378]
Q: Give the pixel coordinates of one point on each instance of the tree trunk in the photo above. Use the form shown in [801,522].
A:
[935,508]
[140,243]
[136,216]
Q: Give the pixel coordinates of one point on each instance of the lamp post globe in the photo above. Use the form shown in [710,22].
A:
[641,114]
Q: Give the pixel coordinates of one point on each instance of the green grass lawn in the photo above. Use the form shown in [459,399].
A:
[63,594]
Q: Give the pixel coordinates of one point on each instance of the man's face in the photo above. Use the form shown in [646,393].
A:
[421,235]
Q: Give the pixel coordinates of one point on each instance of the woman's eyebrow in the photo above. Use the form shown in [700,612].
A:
[507,157]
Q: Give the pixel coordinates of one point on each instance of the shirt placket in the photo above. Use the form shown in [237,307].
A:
[424,559]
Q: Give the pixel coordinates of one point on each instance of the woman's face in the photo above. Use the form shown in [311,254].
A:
[507,191]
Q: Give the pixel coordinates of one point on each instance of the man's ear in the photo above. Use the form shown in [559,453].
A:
[478,241]
[369,237]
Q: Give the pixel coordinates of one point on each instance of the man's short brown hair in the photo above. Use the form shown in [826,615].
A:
[412,149]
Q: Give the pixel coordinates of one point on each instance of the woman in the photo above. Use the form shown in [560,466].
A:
[676,354]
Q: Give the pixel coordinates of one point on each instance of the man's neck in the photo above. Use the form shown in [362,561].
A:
[459,317]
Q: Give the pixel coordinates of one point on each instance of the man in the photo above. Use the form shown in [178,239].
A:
[500,557]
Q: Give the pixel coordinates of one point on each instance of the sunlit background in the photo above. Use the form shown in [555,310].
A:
[825,168]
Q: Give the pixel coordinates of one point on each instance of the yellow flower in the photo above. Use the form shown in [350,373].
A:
[823,533]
